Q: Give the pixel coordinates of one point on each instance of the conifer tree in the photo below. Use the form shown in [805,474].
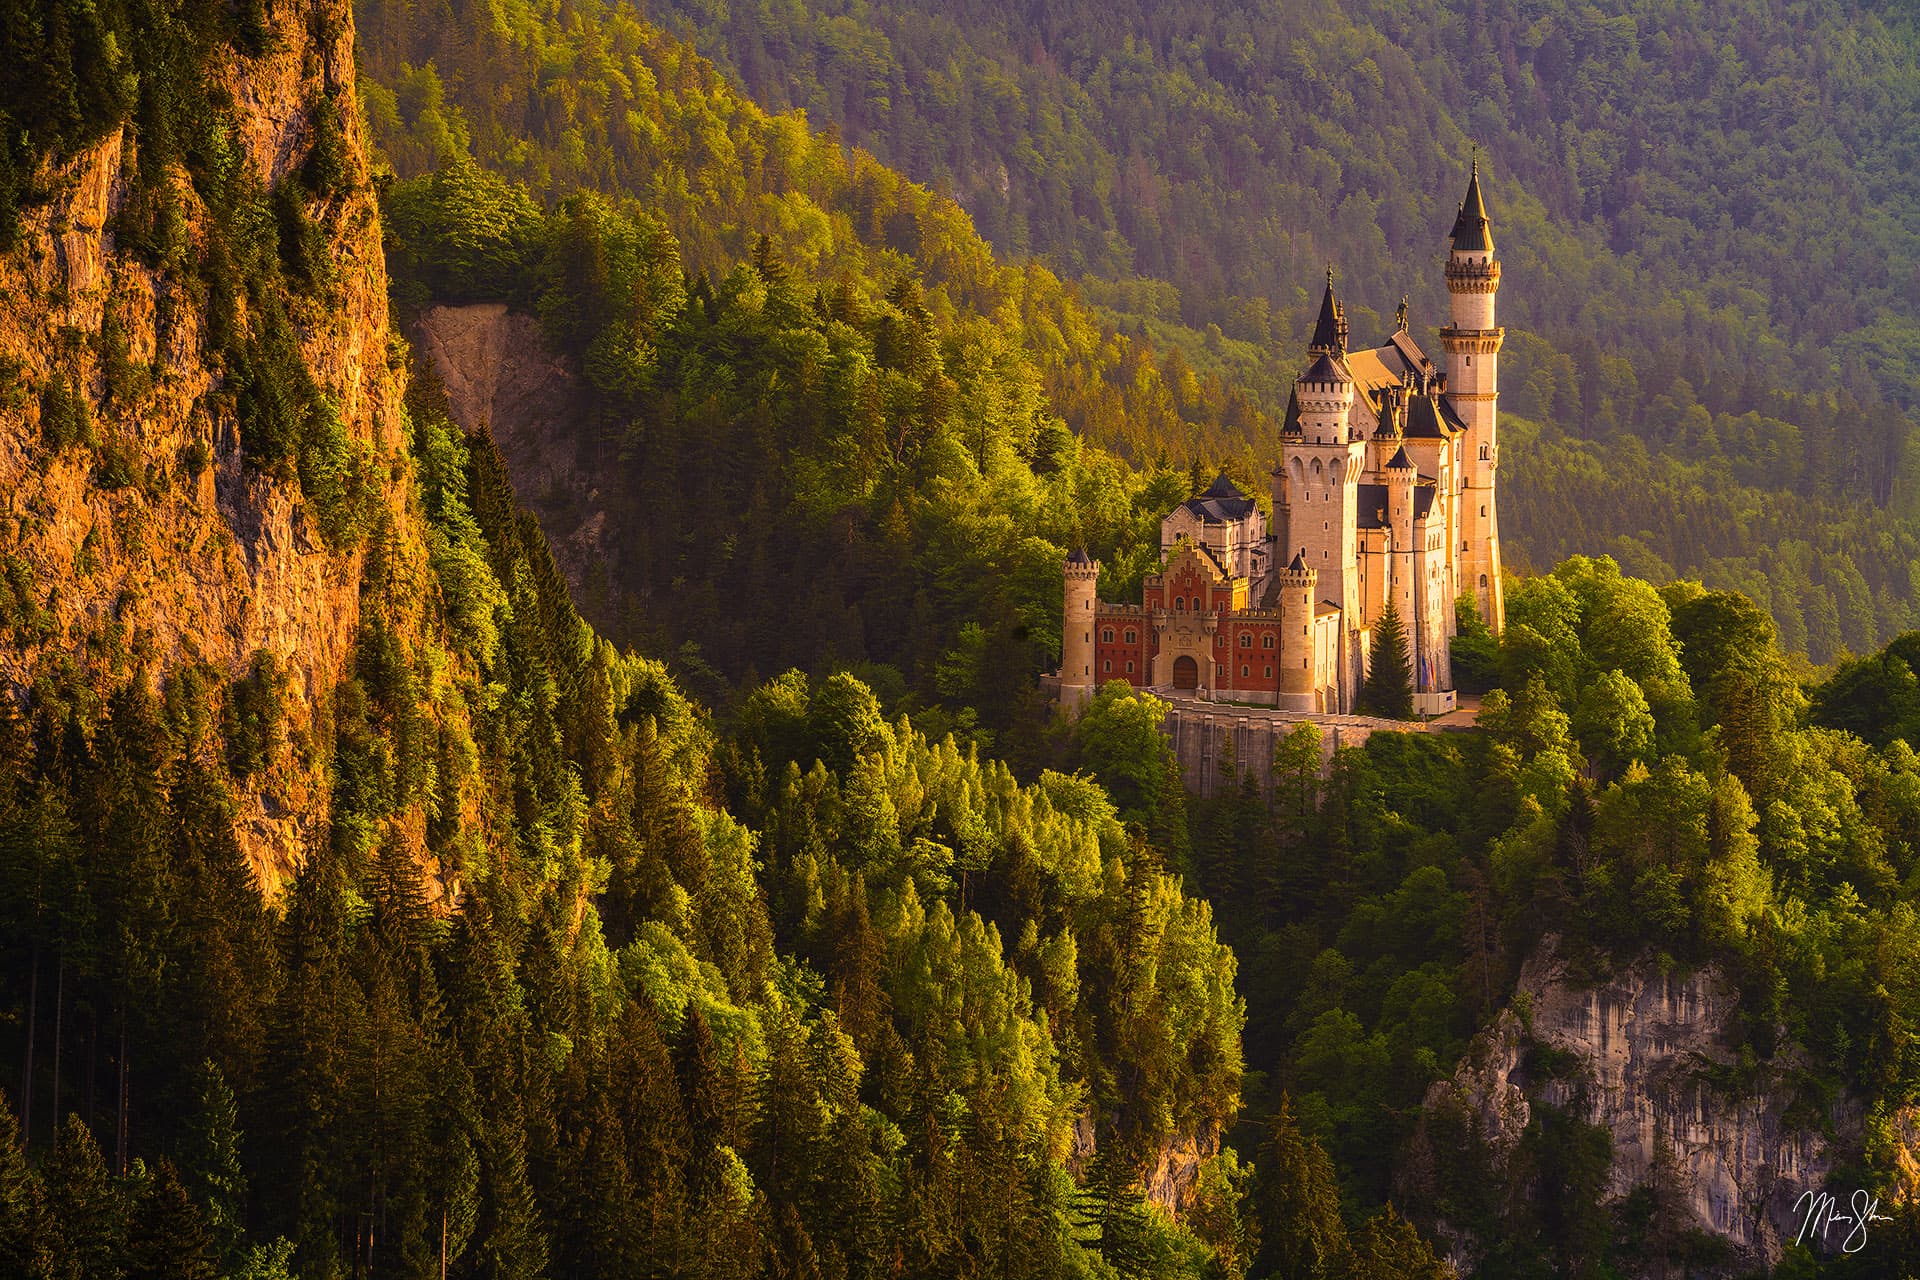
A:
[1389,688]
[24,1237]
[1302,1236]
[210,1166]
[167,1237]
[87,1208]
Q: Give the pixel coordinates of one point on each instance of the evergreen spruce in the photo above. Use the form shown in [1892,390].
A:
[25,1245]
[1389,688]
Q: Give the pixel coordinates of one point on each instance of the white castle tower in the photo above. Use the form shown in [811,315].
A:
[1472,345]
[1077,680]
[1323,460]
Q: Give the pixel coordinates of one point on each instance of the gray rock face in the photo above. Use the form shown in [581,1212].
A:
[501,377]
[1651,1062]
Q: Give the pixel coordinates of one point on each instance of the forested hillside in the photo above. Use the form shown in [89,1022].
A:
[870,968]
[557,978]
[1708,214]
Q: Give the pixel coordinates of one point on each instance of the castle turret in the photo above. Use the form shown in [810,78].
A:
[1401,474]
[1472,344]
[1077,680]
[1298,678]
[1323,462]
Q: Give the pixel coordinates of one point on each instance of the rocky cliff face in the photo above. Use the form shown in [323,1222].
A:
[1646,1056]
[501,377]
[153,545]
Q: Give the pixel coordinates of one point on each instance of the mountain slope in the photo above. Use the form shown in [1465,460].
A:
[1707,214]
[200,413]
[363,911]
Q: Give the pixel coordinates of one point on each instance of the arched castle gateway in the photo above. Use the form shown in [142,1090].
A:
[1384,493]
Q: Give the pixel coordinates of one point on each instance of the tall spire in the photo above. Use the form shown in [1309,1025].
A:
[1330,330]
[1471,231]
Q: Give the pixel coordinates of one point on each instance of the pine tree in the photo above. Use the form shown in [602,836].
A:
[24,1240]
[210,1167]
[167,1238]
[87,1208]
[1297,1198]
[1389,688]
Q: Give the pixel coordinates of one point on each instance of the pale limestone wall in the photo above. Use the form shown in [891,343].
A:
[1645,1041]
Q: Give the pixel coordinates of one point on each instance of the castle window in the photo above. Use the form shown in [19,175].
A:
[1246,642]
[1129,668]
[1131,635]
[1269,673]
[1180,602]
[1107,665]
[1483,513]
[1483,579]
[1106,635]
[1243,670]
[1266,642]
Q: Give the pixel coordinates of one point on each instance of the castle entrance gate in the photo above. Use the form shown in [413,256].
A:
[1186,673]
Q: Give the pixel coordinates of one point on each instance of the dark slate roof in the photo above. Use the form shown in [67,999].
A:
[1222,503]
[1325,369]
[1298,563]
[1372,501]
[1423,501]
[1330,330]
[1428,420]
[1409,350]
[1401,462]
[1290,425]
[1079,556]
[1471,231]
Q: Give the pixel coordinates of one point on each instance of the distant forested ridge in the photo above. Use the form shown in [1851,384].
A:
[1710,216]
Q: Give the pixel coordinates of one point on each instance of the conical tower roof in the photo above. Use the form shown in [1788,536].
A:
[1330,330]
[1472,233]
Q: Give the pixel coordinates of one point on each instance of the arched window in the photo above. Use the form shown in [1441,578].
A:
[1132,635]
[1266,642]
[1180,604]
[1106,635]
[1269,673]
[1129,668]
[1483,579]
[1107,665]
[1246,641]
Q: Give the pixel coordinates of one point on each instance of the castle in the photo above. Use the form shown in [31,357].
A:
[1383,498]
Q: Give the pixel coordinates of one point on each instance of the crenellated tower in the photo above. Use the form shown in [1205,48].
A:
[1077,679]
[1472,345]
[1295,587]
[1323,461]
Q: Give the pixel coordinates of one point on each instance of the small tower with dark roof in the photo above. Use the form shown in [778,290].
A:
[1077,678]
[1472,343]
[1402,475]
[1323,461]
[1297,588]
[1330,328]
